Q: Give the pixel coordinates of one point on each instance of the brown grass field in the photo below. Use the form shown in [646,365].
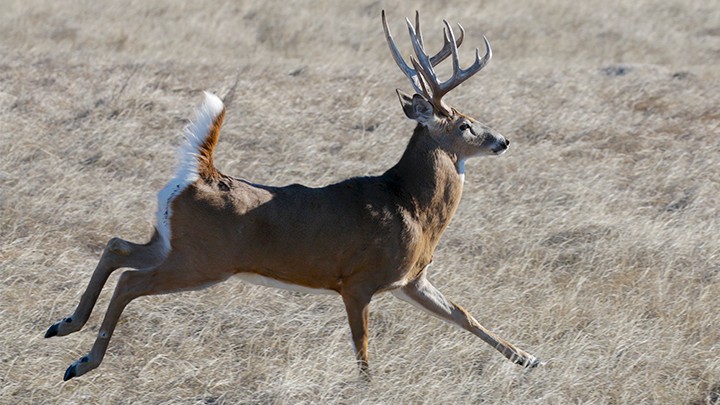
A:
[594,243]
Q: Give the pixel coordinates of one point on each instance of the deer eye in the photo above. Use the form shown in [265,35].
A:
[464,127]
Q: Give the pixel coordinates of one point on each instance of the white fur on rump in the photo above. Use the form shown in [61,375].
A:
[186,171]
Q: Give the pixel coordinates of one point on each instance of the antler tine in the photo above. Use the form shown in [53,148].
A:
[423,59]
[445,51]
[410,73]
[417,27]
[460,75]
[425,68]
[453,48]
[423,77]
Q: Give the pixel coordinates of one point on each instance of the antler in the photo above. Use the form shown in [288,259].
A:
[439,57]
[434,91]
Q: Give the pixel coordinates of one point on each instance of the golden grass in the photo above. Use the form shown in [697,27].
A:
[593,243]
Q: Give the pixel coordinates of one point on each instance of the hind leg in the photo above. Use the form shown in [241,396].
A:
[175,274]
[118,253]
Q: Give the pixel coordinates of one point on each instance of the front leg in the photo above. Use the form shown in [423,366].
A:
[422,294]
[357,306]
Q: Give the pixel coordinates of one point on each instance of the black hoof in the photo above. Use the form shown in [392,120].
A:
[53,331]
[70,373]
[532,363]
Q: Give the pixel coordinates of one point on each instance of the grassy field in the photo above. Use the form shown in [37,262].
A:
[594,243]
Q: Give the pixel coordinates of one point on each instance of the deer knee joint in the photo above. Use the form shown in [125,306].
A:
[119,246]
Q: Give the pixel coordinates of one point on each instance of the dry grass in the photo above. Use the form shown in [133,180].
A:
[593,243]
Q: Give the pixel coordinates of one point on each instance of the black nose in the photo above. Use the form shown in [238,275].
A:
[507,142]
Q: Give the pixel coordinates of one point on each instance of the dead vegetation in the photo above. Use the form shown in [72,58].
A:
[594,242]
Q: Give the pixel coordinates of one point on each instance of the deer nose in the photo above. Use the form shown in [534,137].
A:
[507,142]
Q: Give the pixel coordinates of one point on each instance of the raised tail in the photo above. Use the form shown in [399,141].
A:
[196,154]
[195,160]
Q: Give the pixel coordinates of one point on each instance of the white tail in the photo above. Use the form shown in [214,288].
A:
[193,156]
[355,238]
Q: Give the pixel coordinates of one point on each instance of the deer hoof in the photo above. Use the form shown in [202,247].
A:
[530,362]
[71,372]
[62,328]
[78,368]
[53,331]
[526,360]
[533,362]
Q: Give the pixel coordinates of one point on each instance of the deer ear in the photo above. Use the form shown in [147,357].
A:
[407,103]
[422,109]
[416,107]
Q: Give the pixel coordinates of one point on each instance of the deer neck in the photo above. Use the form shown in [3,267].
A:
[430,181]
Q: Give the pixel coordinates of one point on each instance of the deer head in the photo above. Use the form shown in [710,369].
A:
[458,134]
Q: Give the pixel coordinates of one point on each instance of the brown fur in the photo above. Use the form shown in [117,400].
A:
[357,237]
[206,163]
[325,237]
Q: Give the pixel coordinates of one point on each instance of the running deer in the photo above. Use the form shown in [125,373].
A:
[356,238]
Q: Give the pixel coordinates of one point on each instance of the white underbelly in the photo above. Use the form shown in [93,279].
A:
[257,279]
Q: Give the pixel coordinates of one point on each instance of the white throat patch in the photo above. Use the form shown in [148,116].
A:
[461,169]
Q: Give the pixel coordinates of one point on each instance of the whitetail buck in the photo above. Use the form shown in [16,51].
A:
[355,238]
